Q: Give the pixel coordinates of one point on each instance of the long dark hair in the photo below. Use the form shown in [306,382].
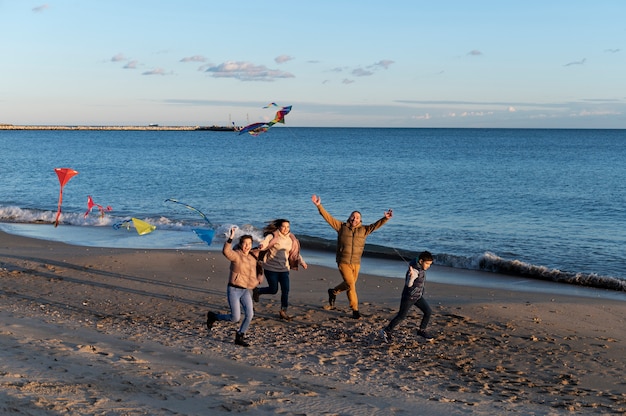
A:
[274,225]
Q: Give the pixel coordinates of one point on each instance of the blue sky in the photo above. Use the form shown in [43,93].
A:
[518,64]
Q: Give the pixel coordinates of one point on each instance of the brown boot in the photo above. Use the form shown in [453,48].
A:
[283,315]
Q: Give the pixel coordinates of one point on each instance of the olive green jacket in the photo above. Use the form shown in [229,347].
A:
[350,240]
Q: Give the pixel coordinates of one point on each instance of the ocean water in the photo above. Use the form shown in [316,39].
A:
[540,204]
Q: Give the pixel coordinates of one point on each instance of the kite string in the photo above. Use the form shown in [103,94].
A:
[398,253]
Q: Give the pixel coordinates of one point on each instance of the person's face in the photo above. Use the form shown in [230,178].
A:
[246,245]
[354,220]
[426,264]
[284,228]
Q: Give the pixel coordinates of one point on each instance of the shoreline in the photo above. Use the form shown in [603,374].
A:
[377,260]
[88,330]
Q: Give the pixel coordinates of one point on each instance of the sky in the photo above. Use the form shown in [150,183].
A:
[366,63]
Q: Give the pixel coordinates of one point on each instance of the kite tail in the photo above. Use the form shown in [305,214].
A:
[56,221]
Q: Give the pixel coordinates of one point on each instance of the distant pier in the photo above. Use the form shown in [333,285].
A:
[151,127]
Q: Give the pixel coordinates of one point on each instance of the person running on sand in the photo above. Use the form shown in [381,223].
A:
[351,236]
[243,277]
[413,294]
[282,253]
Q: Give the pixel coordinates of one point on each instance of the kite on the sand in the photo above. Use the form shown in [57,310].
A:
[64,174]
[205,234]
[142,227]
[257,128]
[91,204]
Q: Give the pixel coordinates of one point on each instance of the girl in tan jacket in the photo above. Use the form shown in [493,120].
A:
[242,279]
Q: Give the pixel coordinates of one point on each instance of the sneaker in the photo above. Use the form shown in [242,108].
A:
[422,333]
[210,320]
[356,315]
[283,315]
[256,294]
[331,298]
[386,335]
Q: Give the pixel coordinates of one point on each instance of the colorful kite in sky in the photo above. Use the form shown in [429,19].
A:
[91,204]
[257,128]
[142,227]
[64,174]
[204,234]
[280,115]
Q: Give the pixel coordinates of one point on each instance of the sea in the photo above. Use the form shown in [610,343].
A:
[522,205]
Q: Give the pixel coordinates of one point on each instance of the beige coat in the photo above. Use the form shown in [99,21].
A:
[243,267]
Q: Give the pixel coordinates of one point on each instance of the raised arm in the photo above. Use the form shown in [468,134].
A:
[333,222]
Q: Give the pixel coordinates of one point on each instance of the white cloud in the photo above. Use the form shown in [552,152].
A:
[194,58]
[360,72]
[246,71]
[156,71]
[581,62]
[282,59]
[118,58]
[385,63]
[131,65]
[41,8]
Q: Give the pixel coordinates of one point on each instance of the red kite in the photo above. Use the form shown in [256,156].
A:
[64,174]
[91,204]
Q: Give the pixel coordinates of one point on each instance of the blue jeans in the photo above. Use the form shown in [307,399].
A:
[405,305]
[238,298]
[273,280]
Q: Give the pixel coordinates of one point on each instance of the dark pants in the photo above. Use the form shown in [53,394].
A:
[273,280]
[405,306]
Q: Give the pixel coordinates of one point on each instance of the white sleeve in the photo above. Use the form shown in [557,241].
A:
[412,275]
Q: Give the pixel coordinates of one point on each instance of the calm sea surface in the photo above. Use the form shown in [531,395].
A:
[546,204]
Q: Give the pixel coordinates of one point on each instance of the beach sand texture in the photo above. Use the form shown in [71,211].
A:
[99,331]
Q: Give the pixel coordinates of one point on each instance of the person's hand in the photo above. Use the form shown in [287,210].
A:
[316,200]
[303,264]
[232,232]
[389,213]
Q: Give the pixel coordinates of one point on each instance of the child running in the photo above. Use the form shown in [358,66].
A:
[242,279]
[412,294]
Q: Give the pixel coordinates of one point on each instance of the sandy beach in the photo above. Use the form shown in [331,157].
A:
[100,331]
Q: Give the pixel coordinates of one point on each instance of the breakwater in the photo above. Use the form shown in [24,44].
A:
[129,128]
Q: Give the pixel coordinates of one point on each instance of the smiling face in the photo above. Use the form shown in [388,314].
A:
[245,244]
[355,219]
[284,228]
